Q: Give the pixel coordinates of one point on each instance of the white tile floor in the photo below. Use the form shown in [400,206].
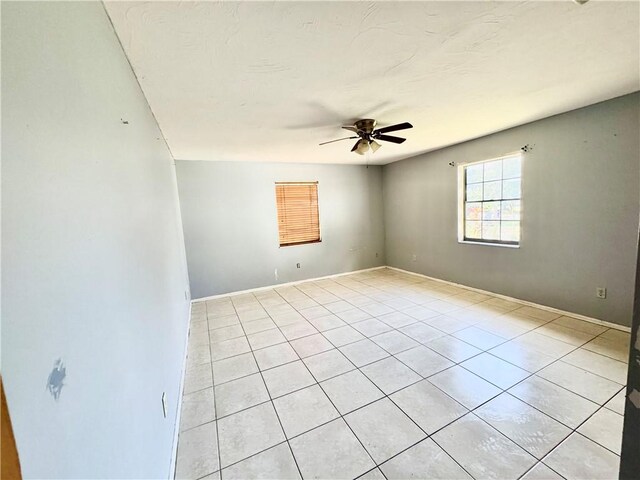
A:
[382,374]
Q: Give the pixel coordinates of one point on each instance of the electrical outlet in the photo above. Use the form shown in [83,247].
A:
[414,257]
[376,254]
[601,292]
[297,265]
[164,404]
[276,274]
[186,294]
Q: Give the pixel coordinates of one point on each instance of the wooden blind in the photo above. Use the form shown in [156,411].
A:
[298,220]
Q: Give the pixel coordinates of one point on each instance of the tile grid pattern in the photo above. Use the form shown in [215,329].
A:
[265,385]
[271,399]
[572,431]
[340,416]
[211,347]
[316,381]
[371,284]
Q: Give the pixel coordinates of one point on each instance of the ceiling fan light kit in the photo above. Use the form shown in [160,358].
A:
[361,147]
[368,134]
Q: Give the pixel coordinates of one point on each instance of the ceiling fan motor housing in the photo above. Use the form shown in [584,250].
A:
[365,127]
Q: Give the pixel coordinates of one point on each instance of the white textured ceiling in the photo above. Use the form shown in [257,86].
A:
[269,81]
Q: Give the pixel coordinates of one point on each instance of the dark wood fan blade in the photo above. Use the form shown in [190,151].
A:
[390,138]
[338,140]
[394,128]
[355,147]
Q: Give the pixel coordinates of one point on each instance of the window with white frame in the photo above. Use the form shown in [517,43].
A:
[490,201]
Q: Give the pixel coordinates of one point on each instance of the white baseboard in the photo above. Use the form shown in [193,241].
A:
[604,323]
[176,426]
[280,285]
[466,287]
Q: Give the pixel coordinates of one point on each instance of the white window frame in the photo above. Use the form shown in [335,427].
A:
[461,201]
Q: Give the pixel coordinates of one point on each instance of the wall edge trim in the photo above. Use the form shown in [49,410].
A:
[176,426]
[597,321]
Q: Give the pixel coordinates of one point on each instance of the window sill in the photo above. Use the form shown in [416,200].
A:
[300,243]
[489,244]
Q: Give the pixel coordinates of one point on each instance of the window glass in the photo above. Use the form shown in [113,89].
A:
[492,195]
[492,171]
[474,192]
[474,173]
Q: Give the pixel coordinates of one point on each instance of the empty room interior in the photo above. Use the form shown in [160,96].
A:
[320,240]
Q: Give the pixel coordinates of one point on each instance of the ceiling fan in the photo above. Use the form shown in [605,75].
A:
[367,135]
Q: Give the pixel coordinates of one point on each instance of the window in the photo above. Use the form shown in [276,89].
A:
[490,201]
[298,220]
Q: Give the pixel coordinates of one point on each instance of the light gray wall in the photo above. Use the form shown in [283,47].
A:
[231,229]
[580,191]
[93,267]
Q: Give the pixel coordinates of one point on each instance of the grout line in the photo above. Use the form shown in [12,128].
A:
[284,285]
[284,433]
[341,416]
[445,334]
[371,471]
[544,464]
[578,316]
[385,395]
[487,350]
[575,431]
[532,374]
[213,392]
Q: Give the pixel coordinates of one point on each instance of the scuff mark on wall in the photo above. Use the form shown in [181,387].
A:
[55,382]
